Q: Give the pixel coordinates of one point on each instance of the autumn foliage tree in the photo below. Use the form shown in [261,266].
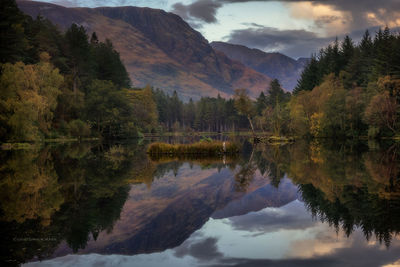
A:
[245,106]
[28,99]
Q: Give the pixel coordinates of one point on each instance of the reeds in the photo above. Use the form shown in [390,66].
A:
[212,148]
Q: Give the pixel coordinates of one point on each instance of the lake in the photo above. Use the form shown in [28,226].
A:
[310,203]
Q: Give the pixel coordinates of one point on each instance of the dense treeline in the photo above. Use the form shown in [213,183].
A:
[58,84]
[208,114]
[345,91]
[211,114]
[350,90]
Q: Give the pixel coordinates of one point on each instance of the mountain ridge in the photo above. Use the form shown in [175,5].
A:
[159,48]
[275,65]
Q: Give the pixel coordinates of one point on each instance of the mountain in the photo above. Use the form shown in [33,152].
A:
[164,215]
[158,48]
[303,60]
[276,65]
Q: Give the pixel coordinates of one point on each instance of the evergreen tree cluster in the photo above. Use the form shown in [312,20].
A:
[58,84]
[357,65]
[209,114]
[350,90]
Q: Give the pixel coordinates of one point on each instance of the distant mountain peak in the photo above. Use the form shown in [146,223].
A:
[275,65]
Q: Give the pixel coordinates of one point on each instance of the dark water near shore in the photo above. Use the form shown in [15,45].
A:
[303,204]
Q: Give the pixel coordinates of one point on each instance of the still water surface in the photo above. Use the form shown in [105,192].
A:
[304,204]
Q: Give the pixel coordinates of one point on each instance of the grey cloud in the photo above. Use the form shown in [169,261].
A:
[294,43]
[323,20]
[385,11]
[202,10]
[181,10]
[358,8]
[204,250]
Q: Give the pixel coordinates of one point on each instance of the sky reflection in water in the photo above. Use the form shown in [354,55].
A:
[192,215]
[285,236]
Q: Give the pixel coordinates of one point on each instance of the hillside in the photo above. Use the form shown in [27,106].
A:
[276,65]
[159,48]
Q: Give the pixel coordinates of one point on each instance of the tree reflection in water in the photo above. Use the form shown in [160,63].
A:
[72,193]
[349,188]
[348,185]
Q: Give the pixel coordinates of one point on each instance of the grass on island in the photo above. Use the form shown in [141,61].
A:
[211,148]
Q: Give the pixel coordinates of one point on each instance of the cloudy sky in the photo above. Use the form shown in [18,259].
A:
[294,27]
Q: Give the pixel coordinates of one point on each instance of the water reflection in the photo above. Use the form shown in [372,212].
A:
[69,193]
[350,186]
[300,204]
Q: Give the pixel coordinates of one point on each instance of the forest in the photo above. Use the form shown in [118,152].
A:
[58,85]
[350,90]
[347,90]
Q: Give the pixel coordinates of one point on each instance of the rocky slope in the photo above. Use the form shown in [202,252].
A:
[159,48]
[276,65]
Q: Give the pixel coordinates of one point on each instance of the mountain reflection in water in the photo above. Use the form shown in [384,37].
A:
[304,204]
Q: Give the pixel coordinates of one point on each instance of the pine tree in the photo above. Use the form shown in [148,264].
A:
[276,95]
[78,54]
[309,78]
[261,103]
[346,51]
[107,63]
